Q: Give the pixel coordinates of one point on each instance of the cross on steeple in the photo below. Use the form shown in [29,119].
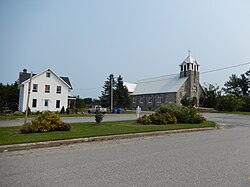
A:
[189,52]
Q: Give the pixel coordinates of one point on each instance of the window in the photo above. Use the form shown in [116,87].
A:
[48,74]
[34,102]
[134,99]
[159,99]
[149,99]
[35,88]
[46,102]
[141,99]
[47,88]
[58,89]
[57,103]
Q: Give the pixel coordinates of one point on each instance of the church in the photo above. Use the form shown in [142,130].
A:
[151,93]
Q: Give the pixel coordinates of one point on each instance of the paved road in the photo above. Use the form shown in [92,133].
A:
[212,158]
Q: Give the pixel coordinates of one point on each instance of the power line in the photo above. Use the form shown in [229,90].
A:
[229,67]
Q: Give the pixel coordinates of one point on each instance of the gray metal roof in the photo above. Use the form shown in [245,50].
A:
[163,84]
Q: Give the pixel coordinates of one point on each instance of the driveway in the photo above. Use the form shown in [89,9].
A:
[228,119]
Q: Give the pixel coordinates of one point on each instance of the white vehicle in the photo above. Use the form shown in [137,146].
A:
[97,109]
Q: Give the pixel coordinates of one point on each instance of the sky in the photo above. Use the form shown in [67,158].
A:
[87,40]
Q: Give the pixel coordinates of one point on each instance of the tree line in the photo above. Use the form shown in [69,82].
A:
[234,96]
[9,96]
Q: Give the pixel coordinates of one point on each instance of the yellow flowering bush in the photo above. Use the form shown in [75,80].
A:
[45,122]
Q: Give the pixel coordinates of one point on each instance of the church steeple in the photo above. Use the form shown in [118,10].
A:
[189,64]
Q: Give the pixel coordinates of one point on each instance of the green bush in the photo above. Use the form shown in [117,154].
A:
[64,127]
[246,104]
[182,114]
[144,120]
[170,118]
[99,117]
[229,103]
[158,118]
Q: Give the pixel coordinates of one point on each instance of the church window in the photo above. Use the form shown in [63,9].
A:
[159,99]
[141,99]
[149,99]
[181,68]
[134,99]
[188,66]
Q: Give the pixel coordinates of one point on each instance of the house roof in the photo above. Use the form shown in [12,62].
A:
[163,84]
[24,76]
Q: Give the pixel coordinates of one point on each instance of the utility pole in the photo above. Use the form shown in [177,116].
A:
[28,98]
[111,92]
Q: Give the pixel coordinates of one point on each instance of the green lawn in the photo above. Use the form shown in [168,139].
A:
[11,135]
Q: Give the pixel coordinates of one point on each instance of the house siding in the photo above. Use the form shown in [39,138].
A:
[41,80]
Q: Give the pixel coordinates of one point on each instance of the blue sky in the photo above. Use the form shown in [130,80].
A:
[87,40]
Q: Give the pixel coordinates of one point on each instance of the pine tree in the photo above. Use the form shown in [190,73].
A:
[122,95]
[106,93]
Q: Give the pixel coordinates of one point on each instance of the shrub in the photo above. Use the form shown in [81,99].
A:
[229,103]
[246,104]
[170,118]
[158,118]
[45,122]
[99,117]
[144,120]
[182,114]
[27,128]
[64,127]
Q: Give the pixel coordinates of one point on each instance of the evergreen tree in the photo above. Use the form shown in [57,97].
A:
[122,95]
[9,96]
[105,98]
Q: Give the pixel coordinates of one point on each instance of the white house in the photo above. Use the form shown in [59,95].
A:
[48,91]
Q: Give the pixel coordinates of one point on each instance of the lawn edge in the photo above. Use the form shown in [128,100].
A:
[56,143]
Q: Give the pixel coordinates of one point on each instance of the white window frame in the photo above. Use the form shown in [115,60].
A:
[35,88]
[59,103]
[46,102]
[58,89]
[47,88]
[34,102]
[48,74]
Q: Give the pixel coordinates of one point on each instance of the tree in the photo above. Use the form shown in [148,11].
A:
[238,85]
[9,96]
[211,93]
[121,92]
[105,98]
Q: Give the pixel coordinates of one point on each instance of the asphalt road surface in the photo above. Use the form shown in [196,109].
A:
[211,158]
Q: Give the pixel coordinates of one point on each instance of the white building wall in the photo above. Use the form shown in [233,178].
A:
[41,80]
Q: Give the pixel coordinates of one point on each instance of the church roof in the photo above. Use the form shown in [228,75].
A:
[131,87]
[163,84]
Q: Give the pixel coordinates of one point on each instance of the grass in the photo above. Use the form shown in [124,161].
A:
[11,135]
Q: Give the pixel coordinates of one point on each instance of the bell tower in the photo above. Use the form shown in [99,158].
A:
[190,68]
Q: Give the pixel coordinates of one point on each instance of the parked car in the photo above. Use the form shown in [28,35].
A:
[97,109]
